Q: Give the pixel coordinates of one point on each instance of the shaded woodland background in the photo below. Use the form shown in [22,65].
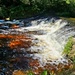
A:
[27,8]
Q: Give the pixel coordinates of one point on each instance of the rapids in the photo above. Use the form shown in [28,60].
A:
[49,36]
[49,40]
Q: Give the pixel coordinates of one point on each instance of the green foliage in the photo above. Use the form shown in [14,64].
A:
[44,73]
[72,7]
[68,46]
[17,11]
[3,12]
[68,1]
[64,14]
[26,8]
[30,73]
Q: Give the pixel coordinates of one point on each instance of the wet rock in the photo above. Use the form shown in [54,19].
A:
[14,41]
[34,63]
[14,26]
[11,55]
[1,73]
[18,72]
[37,71]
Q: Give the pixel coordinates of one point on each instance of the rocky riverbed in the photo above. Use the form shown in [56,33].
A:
[27,49]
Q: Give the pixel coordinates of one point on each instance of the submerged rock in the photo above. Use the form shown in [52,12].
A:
[12,53]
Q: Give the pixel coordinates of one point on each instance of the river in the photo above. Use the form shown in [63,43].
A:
[41,40]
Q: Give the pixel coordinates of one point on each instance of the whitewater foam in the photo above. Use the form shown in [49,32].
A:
[49,46]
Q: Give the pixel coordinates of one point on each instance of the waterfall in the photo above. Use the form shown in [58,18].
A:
[48,46]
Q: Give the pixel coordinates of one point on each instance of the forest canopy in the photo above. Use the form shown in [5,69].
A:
[26,8]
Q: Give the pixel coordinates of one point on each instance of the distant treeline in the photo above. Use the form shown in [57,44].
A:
[26,8]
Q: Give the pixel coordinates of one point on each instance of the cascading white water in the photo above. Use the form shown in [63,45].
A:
[50,44]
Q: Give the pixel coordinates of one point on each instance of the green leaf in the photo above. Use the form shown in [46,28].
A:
[44,73]
[30,73]
[68,46]
[68,1]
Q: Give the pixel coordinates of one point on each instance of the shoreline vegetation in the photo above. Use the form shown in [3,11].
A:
[16,9]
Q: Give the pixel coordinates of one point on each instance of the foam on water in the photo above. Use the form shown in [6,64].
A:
[49,46]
